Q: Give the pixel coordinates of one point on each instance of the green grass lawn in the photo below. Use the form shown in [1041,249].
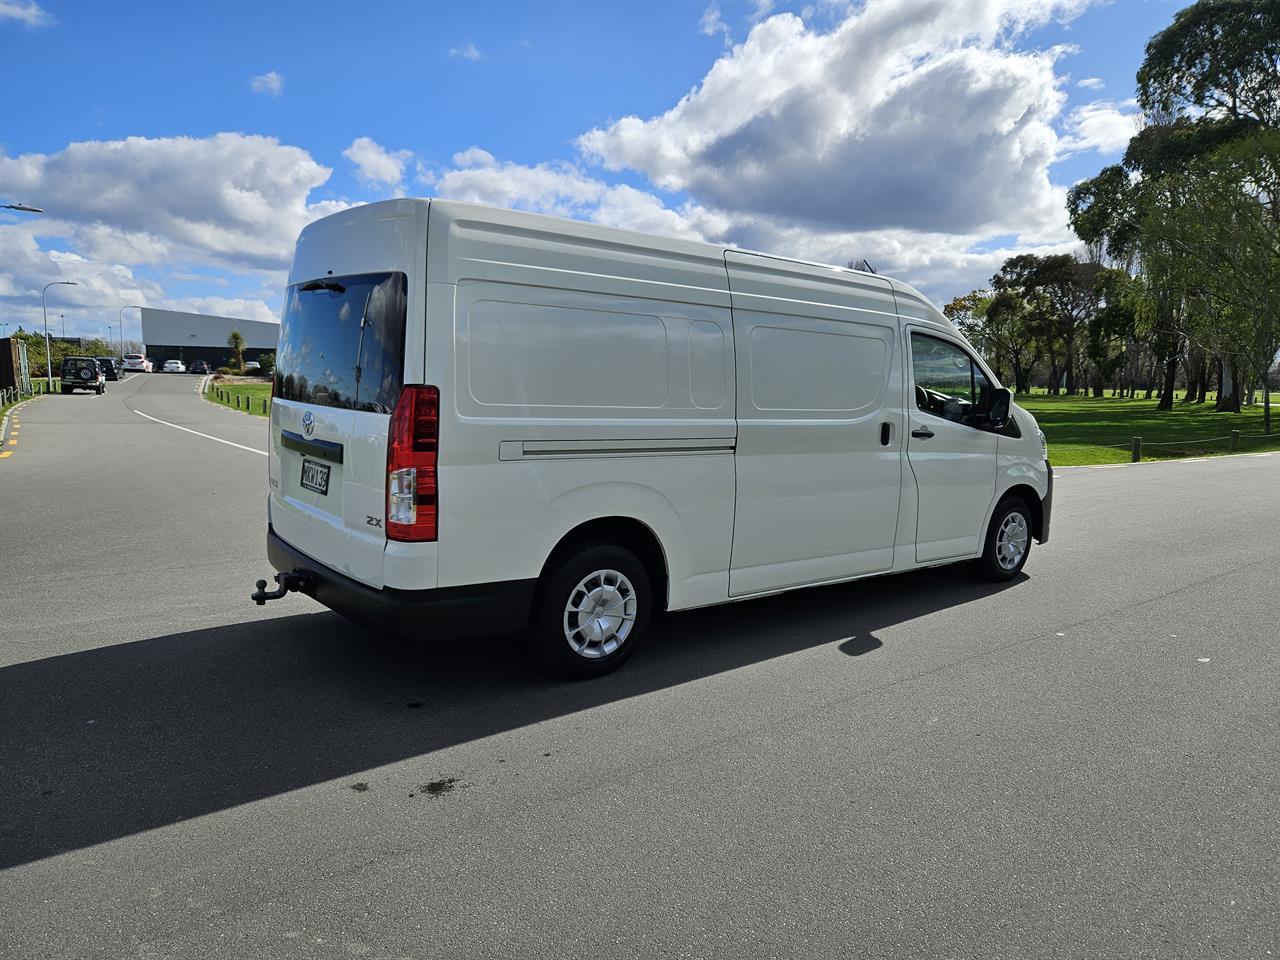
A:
[1084,430]
[250,396]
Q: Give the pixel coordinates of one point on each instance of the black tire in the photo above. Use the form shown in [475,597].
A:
[990,566]
[548,630]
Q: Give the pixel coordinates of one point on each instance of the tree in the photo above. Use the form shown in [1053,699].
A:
[1219,57]
[236,343]
[1228,232]
[1060,296]
[999,325]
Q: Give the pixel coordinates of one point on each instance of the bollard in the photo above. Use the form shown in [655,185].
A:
[237,401]
[1137,449]
[264,406]
[1235,440]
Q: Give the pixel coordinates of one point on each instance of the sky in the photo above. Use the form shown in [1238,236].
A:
[178,148]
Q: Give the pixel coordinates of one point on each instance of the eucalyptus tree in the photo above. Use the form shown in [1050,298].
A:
[1228,233]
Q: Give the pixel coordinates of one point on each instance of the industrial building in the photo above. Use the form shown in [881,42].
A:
[170,335]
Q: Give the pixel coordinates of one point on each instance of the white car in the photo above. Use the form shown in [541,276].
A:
[559,430]
[175,366]
[137,363]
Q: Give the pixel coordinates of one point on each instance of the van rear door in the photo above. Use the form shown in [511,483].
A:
[339,372]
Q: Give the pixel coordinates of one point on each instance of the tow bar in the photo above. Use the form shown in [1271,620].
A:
[286,582]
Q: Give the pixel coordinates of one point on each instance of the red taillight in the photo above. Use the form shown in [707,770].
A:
[412,443]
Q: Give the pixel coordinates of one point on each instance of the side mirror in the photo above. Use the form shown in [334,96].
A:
[999,413]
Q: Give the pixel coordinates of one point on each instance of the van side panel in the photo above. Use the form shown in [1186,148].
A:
[587,378]
[820,424]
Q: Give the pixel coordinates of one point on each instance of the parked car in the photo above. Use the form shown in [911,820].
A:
[83,373]
[109,368]
[253,367]
[136,363]
[153,365]
[200,366]
[175,366]
[665,425]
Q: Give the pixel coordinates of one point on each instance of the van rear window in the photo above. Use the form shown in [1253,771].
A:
[342,342]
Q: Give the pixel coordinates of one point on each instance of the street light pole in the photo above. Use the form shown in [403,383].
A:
[63,318]
[130,306]
[44,309]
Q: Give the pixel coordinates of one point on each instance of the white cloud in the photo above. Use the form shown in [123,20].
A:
[30,13]
[1091,83]
[377,166]
[712,21]
[558,189]
[759,10]
[270,82]
[232,199]
[1104,125]
[916,115]
[467,51]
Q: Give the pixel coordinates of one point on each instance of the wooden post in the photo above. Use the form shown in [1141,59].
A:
[1235,440]
[1137,449]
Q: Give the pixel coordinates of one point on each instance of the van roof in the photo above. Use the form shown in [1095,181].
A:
[911,303]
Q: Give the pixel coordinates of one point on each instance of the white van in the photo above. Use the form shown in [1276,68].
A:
[488,421]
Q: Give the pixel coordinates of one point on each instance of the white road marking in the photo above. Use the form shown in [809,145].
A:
[239,446]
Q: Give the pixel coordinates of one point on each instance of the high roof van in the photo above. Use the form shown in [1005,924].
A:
[488,421]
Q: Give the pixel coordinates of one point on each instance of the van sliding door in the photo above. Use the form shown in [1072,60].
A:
[819,424]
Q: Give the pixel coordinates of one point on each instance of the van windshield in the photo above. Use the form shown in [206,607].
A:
[342,342]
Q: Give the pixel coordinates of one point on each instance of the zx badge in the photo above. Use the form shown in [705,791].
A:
[373,521]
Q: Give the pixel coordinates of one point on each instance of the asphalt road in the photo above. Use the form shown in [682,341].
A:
[1084,763]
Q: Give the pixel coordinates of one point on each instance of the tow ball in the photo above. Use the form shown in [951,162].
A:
[286,582]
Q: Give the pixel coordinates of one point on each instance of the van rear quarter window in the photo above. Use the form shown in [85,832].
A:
[342,342]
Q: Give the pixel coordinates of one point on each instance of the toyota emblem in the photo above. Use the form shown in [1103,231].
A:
[308,424]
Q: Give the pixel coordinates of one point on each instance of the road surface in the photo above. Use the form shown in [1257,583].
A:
[1083,763]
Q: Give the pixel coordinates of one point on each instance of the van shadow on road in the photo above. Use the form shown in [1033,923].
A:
[113,741]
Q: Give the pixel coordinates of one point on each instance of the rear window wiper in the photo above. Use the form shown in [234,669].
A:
[331,285]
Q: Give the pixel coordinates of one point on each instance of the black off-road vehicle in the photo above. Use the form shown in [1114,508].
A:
[83,373]
[109,368]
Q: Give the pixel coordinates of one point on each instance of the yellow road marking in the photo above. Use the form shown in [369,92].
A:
[13,442]
[7,453]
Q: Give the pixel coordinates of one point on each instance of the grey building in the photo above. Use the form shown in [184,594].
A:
[170,335]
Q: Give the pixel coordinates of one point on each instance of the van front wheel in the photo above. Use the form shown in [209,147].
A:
[1008,541]
[592,611]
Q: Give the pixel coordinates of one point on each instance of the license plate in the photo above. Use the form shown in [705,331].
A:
[315,476]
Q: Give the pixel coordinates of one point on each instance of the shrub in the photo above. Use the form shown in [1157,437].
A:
[223,371]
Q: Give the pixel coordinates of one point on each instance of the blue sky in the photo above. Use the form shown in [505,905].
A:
[931,137]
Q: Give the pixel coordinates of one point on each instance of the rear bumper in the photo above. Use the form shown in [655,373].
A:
[476,610]
[1046,506]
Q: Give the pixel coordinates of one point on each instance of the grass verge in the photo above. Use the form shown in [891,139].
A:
[254,398]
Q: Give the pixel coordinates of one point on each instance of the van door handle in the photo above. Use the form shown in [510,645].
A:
[884,434]
[923,433]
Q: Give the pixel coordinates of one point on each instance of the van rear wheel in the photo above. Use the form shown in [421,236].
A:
[592,611]
[1008,541]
